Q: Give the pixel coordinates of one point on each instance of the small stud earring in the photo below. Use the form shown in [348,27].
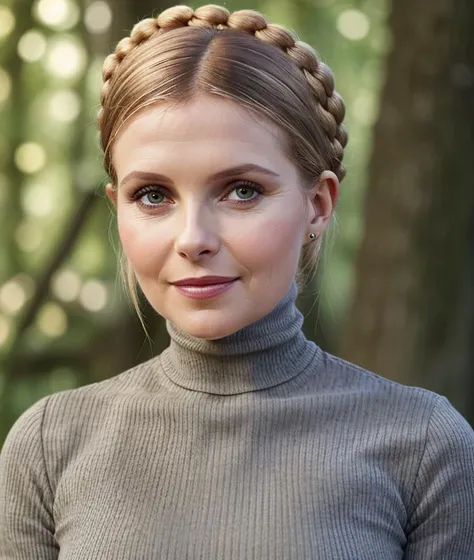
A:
[312,236]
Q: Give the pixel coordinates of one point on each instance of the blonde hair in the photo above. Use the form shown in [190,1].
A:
[239,56]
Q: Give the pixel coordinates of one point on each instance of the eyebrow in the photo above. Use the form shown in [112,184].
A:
[231,172]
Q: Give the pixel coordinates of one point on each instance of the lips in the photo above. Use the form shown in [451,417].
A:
[204,288]
[205,281]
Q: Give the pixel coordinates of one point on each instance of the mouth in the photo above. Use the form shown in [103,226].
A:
[204,289]
[205,281]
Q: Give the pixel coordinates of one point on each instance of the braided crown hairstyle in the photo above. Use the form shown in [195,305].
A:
[240,56]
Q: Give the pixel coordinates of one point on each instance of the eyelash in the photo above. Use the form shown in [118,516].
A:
[142,191]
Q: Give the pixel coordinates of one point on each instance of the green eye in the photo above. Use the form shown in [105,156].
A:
[245,193]
[154,197]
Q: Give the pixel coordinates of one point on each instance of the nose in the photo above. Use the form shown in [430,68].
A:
[197,237]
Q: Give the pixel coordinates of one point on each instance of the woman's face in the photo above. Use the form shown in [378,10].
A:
[205,189]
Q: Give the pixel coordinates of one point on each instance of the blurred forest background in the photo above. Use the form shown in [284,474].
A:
[395,290]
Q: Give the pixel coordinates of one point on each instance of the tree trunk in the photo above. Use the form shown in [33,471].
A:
[413,312]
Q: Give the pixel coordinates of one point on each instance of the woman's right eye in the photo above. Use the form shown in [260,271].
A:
[153,197]
[149,196]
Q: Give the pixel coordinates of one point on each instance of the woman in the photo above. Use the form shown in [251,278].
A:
[223,139]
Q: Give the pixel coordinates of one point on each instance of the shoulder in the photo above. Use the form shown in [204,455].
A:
[443,425]
[23,435]
[53,430]
[420,428]
[346,379]
[105,393]
[67,415]
[87,406]
[442,498]
[449,441]
[410,415]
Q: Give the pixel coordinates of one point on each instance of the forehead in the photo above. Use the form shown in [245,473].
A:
[206,132]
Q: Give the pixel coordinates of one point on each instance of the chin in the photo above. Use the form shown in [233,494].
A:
[207,331]
[209,324]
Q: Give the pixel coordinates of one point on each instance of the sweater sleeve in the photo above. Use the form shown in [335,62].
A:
[26,499]
[442,521]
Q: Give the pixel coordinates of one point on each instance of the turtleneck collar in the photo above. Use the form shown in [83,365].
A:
[263,354]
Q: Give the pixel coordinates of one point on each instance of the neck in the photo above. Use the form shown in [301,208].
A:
[264,354]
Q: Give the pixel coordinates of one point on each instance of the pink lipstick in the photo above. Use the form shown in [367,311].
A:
[204,287]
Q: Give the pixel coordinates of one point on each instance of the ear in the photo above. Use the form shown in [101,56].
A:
[111,193]
[322,202]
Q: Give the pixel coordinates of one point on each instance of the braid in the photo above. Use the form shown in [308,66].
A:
[330,107]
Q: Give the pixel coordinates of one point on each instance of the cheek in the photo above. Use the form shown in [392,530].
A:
[271,242]
[140,242]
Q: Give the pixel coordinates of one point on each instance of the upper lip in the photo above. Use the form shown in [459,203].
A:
[204,280]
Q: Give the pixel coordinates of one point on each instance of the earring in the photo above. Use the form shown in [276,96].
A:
[312,236]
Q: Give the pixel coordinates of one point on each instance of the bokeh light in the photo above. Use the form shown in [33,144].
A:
[98,17]
[64,105]
[58,14]
[5,85]
[353,25]
[364,108]
[94,295]
[32,46]
[29,235]
[7,21]
[30,157]
[66,285]
[65,57]
[37,199]
[52,320]
[12,297]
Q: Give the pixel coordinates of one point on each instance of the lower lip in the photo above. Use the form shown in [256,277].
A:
[205,292]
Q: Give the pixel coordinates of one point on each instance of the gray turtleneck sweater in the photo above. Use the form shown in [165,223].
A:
[259,446]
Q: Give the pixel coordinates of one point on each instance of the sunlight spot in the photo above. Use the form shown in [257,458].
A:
[52,320]
[364,108]
[30,157]
[64,105]
[66,285]
[37,199]
[93,295]
[32,46]
[65,58]
[98,17]
[12,297]
[7,21]
[58,14]
[353,25]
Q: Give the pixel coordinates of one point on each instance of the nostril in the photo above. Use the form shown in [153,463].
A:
[189,254]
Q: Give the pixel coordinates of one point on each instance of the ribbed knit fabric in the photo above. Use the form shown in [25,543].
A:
[259,446]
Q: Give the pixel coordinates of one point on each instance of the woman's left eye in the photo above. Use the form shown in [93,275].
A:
[244,192]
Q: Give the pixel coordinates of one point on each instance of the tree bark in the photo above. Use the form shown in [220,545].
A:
[412,315]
